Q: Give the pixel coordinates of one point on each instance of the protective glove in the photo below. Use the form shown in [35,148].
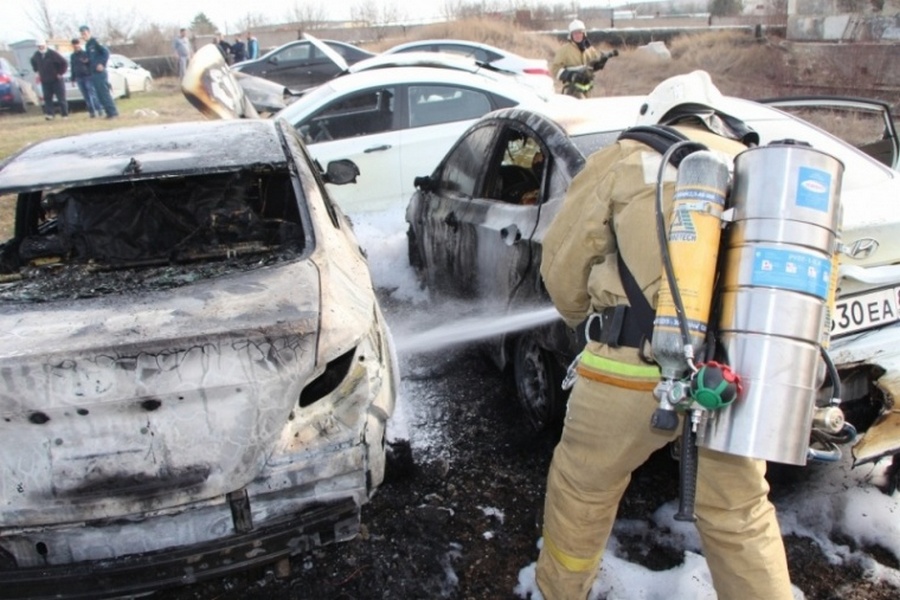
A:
[583,76]
[601,62]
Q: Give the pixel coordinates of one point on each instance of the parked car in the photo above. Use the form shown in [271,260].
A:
[530,71]
[118,85]
[15,91]
[394,116]
[137,78]
[476,224]
[197,373]
[301,64]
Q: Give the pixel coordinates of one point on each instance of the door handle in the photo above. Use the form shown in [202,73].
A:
[381,148]
[510,235]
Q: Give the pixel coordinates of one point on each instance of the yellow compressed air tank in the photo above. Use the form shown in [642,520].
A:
[693,245]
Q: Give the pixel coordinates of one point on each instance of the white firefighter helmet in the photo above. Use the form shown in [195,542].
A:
[694,89]
[576,25]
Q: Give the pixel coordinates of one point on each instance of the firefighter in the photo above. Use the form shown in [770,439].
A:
[576,61]
[610,211]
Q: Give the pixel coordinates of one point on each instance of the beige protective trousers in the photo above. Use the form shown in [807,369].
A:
[606,436]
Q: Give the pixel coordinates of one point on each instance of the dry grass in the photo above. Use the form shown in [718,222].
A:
[165,104]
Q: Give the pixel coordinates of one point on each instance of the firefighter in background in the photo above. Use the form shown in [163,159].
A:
[576,61]
[608,211]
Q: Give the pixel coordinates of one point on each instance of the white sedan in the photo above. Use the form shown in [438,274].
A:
[530,71]
[137,78]
[394,116]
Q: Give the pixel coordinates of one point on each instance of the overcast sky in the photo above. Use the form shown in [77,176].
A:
[16,24]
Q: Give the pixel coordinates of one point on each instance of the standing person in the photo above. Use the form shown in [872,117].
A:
[98,56]
[51,67]
[80,69]
[599,234]
[575,62]
[223,46]
[252,46]
[183,51]
[238,50]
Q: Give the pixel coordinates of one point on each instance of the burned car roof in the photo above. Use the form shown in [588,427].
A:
[142,152]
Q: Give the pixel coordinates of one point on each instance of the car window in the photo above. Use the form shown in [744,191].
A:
[434,104]
[297,52]
[464,164]
[515,171]
[362,113]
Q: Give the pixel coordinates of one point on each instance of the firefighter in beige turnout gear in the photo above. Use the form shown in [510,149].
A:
[569,59]
[610,209]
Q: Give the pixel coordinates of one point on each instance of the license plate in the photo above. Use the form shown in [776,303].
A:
[866,311]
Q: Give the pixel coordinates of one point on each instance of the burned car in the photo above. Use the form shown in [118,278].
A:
[197,376]
[477,222]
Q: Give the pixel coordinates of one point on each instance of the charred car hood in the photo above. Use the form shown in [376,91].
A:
[120,405]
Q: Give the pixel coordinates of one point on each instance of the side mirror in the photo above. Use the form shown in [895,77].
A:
[426,184]
[341,172]
[273,60]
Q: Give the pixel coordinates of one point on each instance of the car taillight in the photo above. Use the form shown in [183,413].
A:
[4,78]
[537,71]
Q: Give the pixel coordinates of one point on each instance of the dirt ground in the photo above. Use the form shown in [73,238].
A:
[459,517]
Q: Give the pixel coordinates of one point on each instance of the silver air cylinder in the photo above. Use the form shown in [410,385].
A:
[776,285]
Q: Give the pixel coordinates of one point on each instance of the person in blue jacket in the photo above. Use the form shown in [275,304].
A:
[80,69]
[252,47]
[98,56]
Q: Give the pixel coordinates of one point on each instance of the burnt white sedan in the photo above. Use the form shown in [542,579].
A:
[197,376]
[477,222]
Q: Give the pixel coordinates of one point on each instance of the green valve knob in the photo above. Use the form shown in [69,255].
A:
[715,386]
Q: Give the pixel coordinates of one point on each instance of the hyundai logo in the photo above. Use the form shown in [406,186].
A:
[863,248]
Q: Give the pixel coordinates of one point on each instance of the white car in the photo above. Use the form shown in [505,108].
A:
[394,121]
[530,71]
[476,229]
[118,84]
[137,78]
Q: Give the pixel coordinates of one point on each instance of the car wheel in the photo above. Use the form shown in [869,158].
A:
[148,85]
[538,379]
[127,92]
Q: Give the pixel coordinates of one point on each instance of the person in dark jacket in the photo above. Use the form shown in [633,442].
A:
[80,70]
[51,67]
[98,56]
[223,46]
[238,50]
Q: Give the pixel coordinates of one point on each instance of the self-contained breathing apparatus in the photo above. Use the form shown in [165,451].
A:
[741,326]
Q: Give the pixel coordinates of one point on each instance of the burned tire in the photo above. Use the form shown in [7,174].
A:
[538,377]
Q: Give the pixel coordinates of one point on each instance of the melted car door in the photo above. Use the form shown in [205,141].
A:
[444,216]
[505,215]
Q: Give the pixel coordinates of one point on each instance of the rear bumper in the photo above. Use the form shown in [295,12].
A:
[141,573]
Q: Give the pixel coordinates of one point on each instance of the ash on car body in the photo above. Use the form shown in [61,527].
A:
[165,303]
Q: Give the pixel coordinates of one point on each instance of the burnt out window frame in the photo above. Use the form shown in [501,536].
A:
[455,161]
[494,188]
